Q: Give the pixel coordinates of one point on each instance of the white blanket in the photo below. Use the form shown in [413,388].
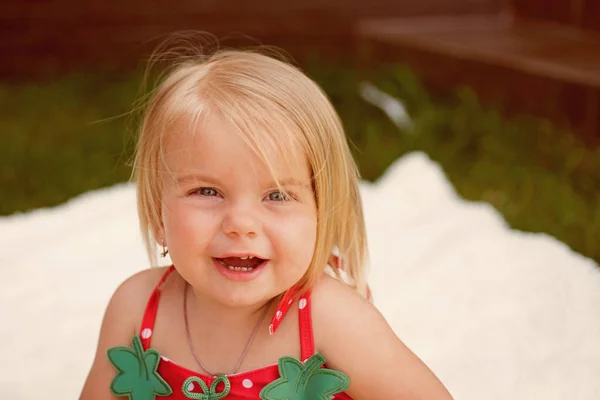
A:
[495,313]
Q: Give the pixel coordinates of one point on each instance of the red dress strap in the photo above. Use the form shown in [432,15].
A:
[282,309]
[151,309]
[307,340]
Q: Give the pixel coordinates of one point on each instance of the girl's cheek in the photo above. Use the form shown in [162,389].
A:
[299,232]
[189,218]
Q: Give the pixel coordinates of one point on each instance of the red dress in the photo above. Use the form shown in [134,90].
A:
[244,385]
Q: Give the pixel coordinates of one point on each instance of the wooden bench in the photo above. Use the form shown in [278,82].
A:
[64,35]
[541,67]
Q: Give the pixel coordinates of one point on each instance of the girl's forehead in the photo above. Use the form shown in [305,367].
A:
[215,145]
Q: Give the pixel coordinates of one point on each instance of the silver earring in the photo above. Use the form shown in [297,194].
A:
[165,250]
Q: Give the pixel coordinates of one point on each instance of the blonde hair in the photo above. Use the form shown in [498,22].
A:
[252,92]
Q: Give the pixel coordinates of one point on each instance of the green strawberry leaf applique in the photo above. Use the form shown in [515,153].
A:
[207,394]
[137,376]
[306,381]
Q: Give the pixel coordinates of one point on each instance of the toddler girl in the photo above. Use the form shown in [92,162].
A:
[245,178]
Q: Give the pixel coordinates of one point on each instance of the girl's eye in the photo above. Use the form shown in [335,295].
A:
[278,196]
[207,192]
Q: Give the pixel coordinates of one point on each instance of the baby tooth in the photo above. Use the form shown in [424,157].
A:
[244,269]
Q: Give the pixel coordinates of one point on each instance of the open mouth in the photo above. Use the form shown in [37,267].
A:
[241,264]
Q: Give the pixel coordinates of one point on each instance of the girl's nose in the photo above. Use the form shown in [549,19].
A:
[240,220]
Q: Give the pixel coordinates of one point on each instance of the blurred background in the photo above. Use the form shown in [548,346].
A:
[504,94]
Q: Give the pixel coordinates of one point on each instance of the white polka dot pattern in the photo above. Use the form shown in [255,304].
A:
[302,304]
[247,383]
[146,333]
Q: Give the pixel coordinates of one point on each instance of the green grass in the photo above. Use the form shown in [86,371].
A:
[66,137]
[60,139]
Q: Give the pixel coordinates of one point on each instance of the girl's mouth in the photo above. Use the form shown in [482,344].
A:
[238,268]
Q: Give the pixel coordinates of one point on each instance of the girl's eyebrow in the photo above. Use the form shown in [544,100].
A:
[194,178]
[293,182]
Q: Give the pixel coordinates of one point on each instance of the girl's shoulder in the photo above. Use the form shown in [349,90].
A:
[121,321]
[332,292]
[336,306]
[355,338]
[131,296]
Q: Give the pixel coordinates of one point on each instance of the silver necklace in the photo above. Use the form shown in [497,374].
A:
[248,344]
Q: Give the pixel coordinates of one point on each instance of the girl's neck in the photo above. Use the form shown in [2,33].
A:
[216,314]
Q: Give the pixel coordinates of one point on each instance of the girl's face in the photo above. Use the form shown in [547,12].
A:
[231,233]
